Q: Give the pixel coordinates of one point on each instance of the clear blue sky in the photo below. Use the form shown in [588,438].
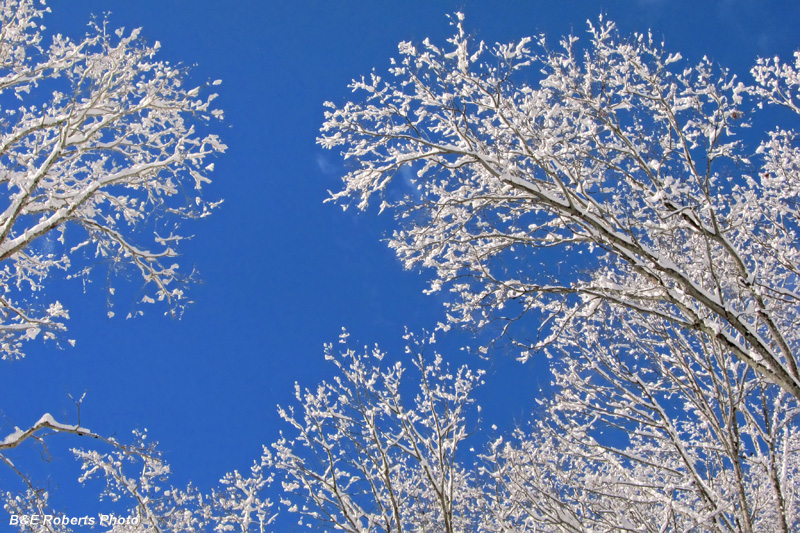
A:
[282,272]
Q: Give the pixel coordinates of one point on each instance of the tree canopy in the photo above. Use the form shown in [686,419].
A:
[607,205]
[99,140]
[608,197]
[612,149]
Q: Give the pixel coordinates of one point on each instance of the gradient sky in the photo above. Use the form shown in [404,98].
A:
[282,272]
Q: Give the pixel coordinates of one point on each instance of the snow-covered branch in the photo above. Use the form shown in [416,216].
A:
[547,179]
[365,458]
[98,136]
[18,436]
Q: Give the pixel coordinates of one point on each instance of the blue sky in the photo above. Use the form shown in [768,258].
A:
[282,272]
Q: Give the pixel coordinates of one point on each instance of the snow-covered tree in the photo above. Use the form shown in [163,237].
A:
[134,484]
[97,138]
[612,202]
[240,504]
[545,182]
[103,154]
[631,441]
[641,439]
[655,445]
[603,197]
[377,450]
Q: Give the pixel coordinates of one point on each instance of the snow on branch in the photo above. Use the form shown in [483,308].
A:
[546,179]
[18,436]
[99,136]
